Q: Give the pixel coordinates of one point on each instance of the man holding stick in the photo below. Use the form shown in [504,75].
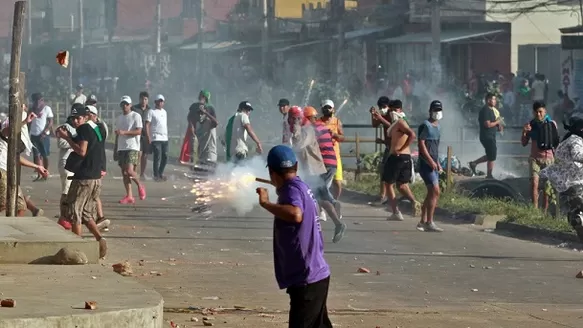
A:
[298,245]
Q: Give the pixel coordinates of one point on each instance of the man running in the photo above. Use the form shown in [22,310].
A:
[429,168]
[238,127]
[157,130]
[307,148]
[335,125]
[490,122]
[128,129]
[399,166]
[142,108]
[88,164]
[40,130]
[283,105]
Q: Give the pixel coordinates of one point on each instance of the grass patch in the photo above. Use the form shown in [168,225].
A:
[517,213]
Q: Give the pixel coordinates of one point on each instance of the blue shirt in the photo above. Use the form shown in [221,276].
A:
[298,248]
[430,134]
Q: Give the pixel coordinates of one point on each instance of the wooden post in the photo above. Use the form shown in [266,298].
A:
[357,153]
[22,92]
[448,175]
[15,114]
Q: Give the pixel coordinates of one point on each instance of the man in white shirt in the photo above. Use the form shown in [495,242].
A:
[236,133]
[157,131]
[79,97]
[128,129]
[40,130]
[538,89]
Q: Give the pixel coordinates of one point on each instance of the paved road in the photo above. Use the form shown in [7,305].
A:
[463,277]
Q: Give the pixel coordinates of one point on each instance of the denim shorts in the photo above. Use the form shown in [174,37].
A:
[429,176]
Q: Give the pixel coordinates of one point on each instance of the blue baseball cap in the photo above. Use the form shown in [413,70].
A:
[281,157]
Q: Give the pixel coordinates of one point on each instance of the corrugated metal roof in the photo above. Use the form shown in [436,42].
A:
[446,36]
[362,32]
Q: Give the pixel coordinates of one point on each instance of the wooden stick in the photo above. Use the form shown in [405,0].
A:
[15,115]
[264,181]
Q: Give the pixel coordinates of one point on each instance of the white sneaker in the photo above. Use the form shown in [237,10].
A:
[323,216]
[432,227]
[396,217]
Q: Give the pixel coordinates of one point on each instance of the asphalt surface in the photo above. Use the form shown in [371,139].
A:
[464,277]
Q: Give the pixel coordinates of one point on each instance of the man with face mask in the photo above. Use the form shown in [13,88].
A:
[399,166]
[383,105]
[428,143]
[236,132]
[335,126]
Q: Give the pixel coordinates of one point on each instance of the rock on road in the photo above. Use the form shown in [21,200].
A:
[463,277]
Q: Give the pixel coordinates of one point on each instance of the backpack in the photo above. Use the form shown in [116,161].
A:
[548,137]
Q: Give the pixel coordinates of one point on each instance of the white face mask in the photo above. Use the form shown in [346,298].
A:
[395,116]
[385,110]
[437,115]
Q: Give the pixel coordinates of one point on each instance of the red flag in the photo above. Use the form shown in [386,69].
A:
[185,151]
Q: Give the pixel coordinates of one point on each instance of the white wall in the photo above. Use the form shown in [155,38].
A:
[535,27]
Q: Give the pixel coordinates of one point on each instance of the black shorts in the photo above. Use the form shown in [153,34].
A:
[145,146]
[490,147]
[308,305]
[398,169]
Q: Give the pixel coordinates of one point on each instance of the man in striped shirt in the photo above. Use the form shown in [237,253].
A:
[329,159]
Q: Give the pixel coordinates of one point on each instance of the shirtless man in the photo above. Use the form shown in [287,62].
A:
[383,105]
[399,166]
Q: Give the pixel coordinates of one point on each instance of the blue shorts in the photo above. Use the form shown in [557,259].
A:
[429,176]
[42,146]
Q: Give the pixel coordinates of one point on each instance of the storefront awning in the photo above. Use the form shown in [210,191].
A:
[446,36]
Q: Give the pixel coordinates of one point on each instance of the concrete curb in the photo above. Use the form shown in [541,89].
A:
[523,231]
[147,317]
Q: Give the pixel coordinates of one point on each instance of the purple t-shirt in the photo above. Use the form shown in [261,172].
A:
[298,248]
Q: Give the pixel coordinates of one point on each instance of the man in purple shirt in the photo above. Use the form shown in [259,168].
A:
[298,245]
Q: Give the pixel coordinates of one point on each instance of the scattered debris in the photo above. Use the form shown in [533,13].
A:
[208,324]
[579,275]
[487,267]
[208,318]
[211,298]
[90,305]
[194,319]
[363,270]
[474,290]
[7,303]
[240,308]
[357,223]
[124,269]
[545,310]
[378,273]
[141,263]
[472,266]
[173,325]
[93,277]
[265,315]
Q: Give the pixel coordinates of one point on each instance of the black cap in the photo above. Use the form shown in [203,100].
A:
[436,106]
[91,100]
[79,110]
[283,102]
[396,104]
[245,105]
[383,101]
[538,104]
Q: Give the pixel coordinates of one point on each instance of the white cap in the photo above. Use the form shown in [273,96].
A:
[126,99]
[159,97]
[92,109]
[328,102]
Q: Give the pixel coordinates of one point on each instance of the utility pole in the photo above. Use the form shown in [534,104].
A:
[15,114]
[337,15]
[158,36]
[81,36]
[264,40]
[29,22]
[200,36]
[436,40]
